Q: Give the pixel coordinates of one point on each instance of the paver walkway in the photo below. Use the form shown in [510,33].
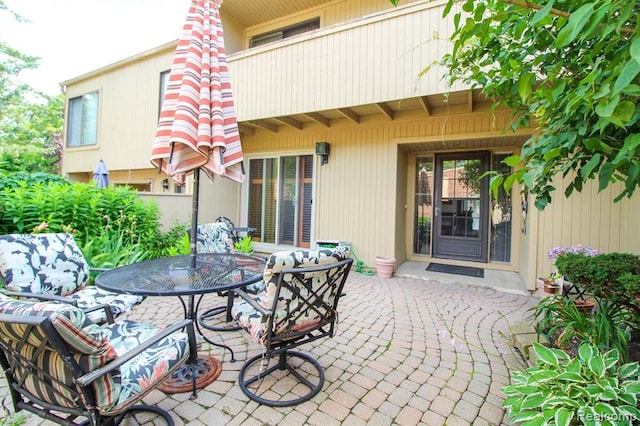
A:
[408,351]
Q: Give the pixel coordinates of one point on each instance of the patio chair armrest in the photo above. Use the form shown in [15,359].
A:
[46,297]
[107,311]
[254,304]
[116,363]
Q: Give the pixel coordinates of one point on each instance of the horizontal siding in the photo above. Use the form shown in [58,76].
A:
[374,59]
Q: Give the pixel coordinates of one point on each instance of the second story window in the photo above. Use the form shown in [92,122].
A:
[282,33]
[82,125]
[164,82]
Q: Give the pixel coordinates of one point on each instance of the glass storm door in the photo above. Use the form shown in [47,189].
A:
[461,206]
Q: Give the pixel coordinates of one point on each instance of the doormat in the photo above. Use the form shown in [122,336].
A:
[458,270]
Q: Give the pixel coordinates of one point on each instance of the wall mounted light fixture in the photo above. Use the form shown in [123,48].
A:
[165,184]
[322,149]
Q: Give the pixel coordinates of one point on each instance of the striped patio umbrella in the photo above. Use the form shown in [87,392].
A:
[197,129]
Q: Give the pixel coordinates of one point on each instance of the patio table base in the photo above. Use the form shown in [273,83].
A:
[207,370]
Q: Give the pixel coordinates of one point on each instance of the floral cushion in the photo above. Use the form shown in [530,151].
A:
[214,238]
[42,264]
[288,301]
[53,264]
[93,346]
[92,296]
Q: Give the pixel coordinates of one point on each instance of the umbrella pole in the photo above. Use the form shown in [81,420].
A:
[194,218]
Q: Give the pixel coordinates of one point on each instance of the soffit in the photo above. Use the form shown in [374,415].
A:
[248,13]
[416,108]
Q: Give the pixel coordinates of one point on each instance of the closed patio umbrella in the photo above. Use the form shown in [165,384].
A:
[101,175]
[197,129]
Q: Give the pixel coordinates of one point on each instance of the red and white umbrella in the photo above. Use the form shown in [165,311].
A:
[198,129]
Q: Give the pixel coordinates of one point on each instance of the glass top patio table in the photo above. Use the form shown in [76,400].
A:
[173,276]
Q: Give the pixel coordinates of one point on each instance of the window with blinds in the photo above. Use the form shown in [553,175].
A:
[280,203]
[282,33]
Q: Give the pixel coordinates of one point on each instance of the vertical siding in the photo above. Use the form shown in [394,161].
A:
[587,218]
[372,59]
[361,193]
[128,115]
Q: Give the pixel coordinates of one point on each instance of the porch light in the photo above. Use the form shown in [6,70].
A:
[322,149]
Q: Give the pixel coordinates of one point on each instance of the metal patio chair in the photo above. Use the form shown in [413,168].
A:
[51,266]
[298,306]
[63,367]
[216,237]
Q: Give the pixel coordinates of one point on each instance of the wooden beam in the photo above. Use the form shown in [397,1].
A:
[350,115]
[319,118]
[470,101]
[247,130]
[384,108]
[425,105]
[289,122]
[265,125]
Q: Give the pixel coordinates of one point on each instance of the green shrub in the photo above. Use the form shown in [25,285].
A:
[244,245]
[611,276]
[607,327]
[592,388]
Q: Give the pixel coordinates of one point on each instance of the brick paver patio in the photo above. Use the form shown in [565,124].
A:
[408,351]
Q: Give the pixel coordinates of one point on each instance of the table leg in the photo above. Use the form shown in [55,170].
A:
[200,322]
[200,370]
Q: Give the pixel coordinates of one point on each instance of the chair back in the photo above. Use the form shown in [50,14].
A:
[302,292]
[42,263]
[214,238]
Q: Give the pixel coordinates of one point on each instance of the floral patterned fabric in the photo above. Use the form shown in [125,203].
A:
[300,304]
[214,238]
[92,347]
[53,264]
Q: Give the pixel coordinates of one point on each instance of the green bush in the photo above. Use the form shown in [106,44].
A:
[90,213]
[607,327]
[594,388]
[611,276]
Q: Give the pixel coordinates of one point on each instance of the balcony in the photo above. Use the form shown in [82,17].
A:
[350,70]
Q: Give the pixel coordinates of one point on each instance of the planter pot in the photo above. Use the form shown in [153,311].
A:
[547,285]
[585,306]
[385,266]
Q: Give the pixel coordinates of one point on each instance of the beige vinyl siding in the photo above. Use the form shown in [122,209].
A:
[369,60]
[128,115]
[361,194]
[587,218]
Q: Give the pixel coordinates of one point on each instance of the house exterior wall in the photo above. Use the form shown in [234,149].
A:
[373,59]
[365,52]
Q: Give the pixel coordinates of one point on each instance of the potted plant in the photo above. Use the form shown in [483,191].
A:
[244,245]
[611,276]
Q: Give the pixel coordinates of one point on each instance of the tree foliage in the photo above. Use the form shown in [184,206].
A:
[30,122]
[569,67]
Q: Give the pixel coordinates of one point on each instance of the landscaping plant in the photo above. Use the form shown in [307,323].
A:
[611,276]
[593,388]
[563,324]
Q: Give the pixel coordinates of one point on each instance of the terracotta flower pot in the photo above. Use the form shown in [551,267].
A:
[385,266]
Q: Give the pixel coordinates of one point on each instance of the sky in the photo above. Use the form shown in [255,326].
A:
[73,37]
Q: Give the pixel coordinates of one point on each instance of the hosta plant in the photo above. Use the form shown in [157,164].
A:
[594,388]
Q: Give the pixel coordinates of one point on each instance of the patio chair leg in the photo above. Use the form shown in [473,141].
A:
[260,383]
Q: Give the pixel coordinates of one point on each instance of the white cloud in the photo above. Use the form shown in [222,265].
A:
[73,37]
